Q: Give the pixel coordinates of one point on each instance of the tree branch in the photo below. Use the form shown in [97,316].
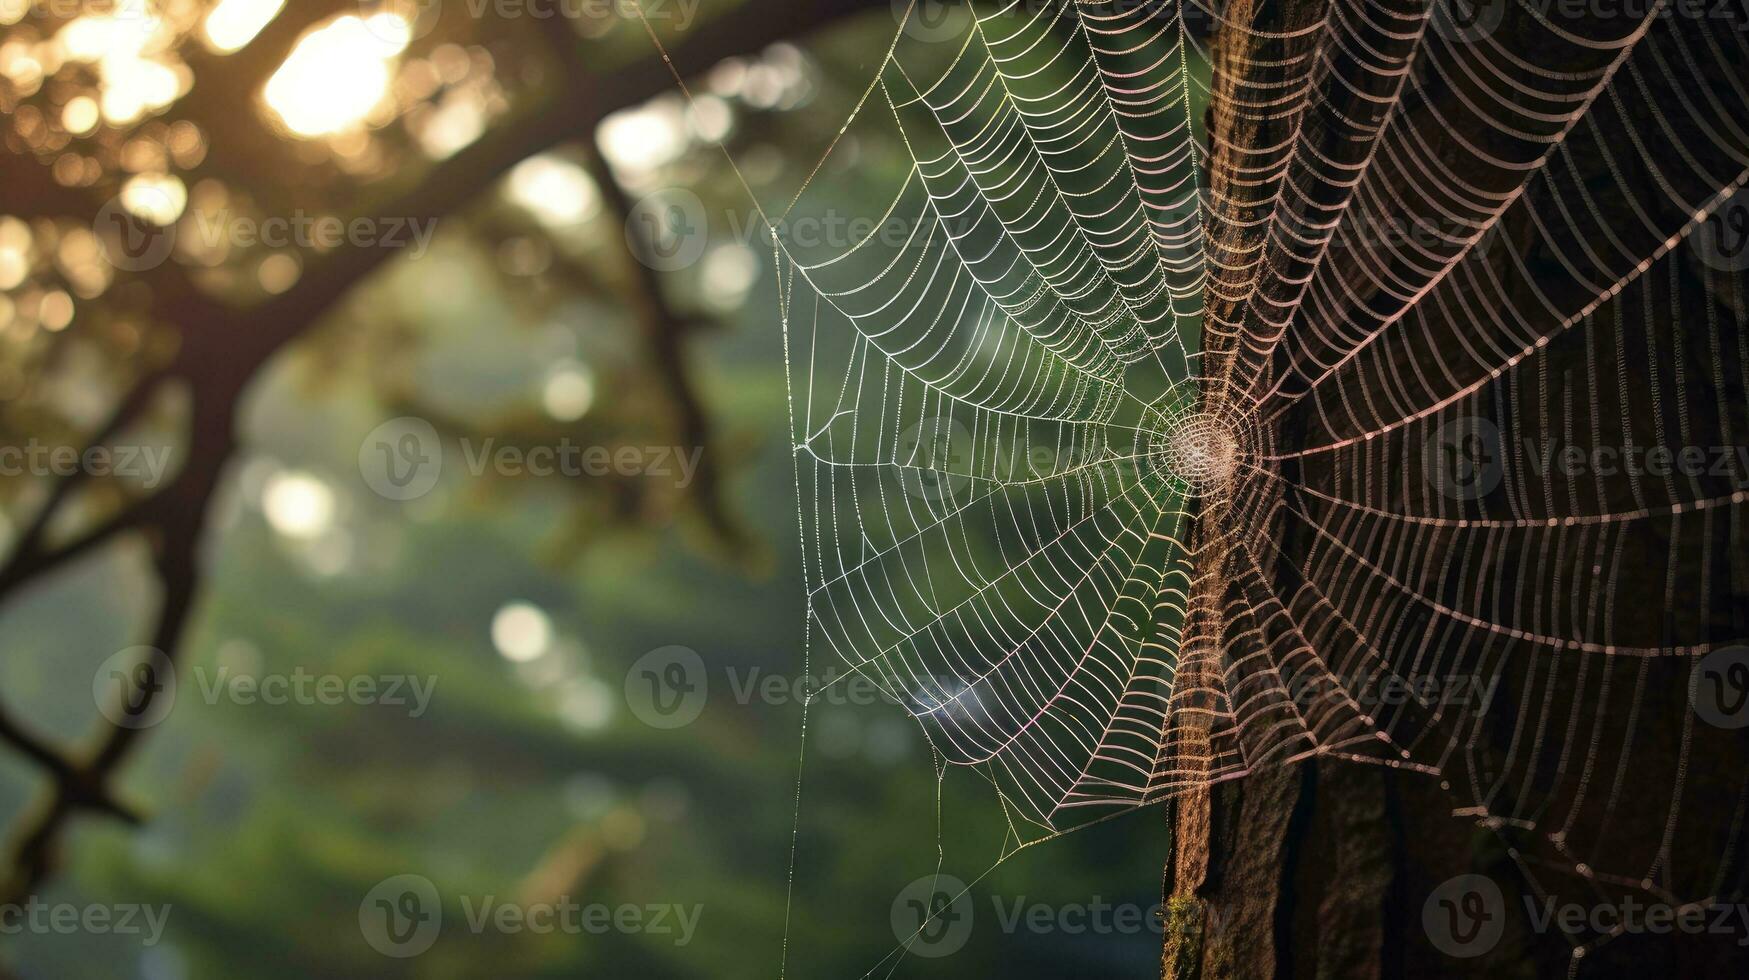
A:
[224,347]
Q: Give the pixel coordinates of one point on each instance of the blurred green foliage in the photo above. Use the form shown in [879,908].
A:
[270,823]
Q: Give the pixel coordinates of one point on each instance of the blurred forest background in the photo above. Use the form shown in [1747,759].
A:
[146,302]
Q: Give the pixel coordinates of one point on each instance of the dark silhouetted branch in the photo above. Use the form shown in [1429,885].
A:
[224,346]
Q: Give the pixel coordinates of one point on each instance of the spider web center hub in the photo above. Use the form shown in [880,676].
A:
[1203,450]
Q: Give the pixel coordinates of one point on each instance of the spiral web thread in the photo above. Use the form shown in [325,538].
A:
[1110,450]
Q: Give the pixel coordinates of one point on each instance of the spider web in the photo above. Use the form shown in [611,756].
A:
[981,396]
[1109,449]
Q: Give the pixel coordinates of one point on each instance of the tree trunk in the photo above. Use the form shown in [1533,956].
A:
[1316,865]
